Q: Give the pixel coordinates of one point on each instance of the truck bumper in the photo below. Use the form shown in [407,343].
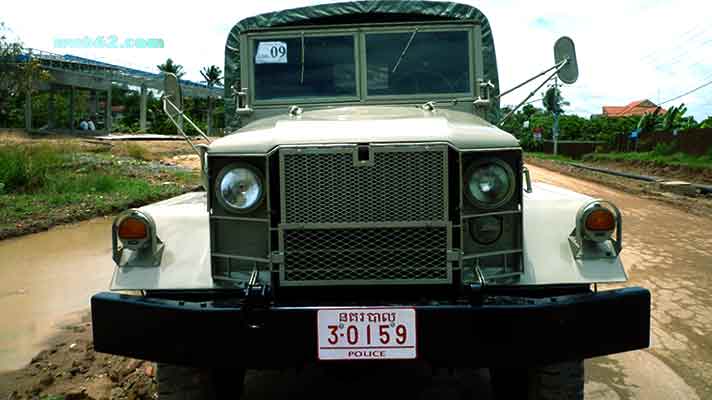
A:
[501,332]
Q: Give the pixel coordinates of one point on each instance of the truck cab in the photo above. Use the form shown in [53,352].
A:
[366,207]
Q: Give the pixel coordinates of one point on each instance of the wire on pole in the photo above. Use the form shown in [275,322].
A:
[688,92]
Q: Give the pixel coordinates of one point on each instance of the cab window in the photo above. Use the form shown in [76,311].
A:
[302,67]
[408,63]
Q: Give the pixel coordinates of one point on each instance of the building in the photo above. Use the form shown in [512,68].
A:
[634,108]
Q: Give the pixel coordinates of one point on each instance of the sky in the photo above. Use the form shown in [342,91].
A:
[627,49]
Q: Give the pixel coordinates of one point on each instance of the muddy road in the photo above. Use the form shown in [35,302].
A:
[48,276]
[46,280]
[669,252]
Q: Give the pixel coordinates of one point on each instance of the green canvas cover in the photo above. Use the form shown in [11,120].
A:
[380,11]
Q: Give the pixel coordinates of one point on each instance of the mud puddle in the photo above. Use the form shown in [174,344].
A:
[46,281]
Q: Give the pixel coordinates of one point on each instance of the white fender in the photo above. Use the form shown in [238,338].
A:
[182,224]
[549,218]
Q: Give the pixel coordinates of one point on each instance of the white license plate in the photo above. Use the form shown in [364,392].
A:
[366,333]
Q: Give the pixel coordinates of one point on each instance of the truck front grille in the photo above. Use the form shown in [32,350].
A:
[328,186]
[348,220]
[373,255]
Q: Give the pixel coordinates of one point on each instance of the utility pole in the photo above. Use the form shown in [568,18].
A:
[555,129]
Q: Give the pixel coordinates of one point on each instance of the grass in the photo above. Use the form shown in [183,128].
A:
[138,152]
[41,185]
[545,156]
[23,168]
[660,158]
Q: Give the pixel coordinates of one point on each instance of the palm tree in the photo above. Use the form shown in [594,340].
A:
[169,66]
[213,76]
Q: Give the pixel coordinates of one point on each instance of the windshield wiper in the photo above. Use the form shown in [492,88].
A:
[407,46]
[301,76]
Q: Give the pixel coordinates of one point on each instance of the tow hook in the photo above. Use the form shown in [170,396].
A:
[256,302]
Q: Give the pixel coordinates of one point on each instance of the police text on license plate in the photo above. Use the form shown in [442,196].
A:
[366,333]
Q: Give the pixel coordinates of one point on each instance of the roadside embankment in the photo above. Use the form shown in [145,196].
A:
[47,182]
[69,368]
[699,204]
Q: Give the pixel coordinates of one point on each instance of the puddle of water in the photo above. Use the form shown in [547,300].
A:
[634,375]
[44,278]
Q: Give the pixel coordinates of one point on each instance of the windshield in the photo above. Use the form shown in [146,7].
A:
[296,67]
[418,63]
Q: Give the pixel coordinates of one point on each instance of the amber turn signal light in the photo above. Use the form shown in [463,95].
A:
[601,219]
[133,229]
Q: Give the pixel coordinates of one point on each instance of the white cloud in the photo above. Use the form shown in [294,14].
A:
[627,50]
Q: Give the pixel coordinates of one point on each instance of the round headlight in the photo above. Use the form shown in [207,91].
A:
[490,183]
[239,188]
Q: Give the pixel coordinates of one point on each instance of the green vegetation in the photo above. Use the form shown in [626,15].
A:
[15,79]
[23,168]
[707,123]
[545,156]
[530,119]
[172,67]
[662,155]
[659,156]
[138,152]
[158,122]
[664,149]
[213,76]
[571,127]
[47,184]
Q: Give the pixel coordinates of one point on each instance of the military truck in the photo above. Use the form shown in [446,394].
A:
[366,208]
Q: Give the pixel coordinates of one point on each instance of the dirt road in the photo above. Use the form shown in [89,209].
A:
[665,250]
[669,252]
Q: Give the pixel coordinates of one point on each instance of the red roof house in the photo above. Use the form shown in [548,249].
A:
[634,108]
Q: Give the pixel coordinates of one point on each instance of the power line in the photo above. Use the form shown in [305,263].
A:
[688,92]
[679,58]
[673,44]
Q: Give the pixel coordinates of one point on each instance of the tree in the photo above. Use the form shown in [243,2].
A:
[707,123]
[675,119]
[553,101]
[213,76]
[169,66]
[18,72]
[9,52]
[650,121]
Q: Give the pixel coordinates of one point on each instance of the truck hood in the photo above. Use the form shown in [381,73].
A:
[365,124]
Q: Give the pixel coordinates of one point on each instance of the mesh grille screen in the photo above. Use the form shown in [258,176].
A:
[372,254]
[398,186]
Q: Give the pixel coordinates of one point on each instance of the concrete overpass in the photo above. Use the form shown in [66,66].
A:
[78,73]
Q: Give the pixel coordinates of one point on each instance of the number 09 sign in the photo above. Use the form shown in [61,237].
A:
[271,53]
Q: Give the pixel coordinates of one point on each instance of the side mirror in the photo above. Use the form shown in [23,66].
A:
[173,107]
[564,49]
[172,93]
